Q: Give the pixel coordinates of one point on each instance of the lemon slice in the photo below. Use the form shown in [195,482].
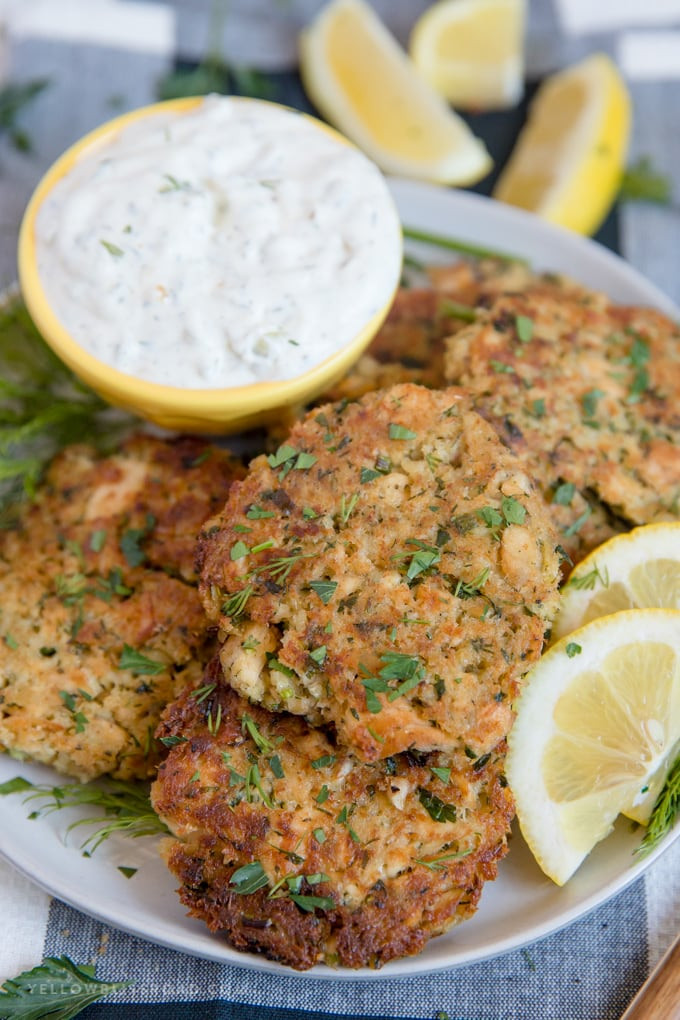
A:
[599,716]
[361,80]
[471,51]
[569,158]
[638,570]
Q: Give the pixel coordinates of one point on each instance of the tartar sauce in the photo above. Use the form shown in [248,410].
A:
[228,244]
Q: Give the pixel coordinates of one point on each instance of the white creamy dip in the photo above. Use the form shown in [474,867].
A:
[233,243]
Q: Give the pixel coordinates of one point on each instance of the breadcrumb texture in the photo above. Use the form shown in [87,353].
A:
[390,570]
[357,863]
[102,560]
[588,398]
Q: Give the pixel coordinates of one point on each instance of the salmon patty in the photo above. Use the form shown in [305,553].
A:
[588,396]
[101,619]
[292,848]
[389,570]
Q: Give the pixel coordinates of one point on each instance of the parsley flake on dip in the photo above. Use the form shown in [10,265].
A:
[226,244]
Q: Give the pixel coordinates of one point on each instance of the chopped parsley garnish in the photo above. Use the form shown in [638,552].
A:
[401,432]
[368,474]
[573,649]
[440,773]
[491,518]
[454,310]
[500,366]
[97,540]
[11,642]
[324,589]
[469,589]
[437,809]
[324,762]
[538,408]
[138,664]
[437,863]
[289,459]
[249,878]
[564,494]
[112,249]
[131,542]
[525,328]
[422,558]
[318,655]
[127,872]
[513,511]
[256,513]
[238,550]
[276,766]
[310,903]
[590,400]
[396,666]
[322,795]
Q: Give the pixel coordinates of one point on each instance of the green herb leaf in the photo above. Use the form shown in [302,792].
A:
[454,310]
[324,762]
[573,649]
[128,872]
[112,249]
[665,812]
[249,878]
[437,809]
[131,542]
[525,328]
[401,432]
[57,988]
[643,183]
[318,655]
[500,366]
[464,247]
[324,589]
[16,785]
[256,513]
[249,725]
[239,550]
[513,511]
[310,903]
[443,774]
[564,494]
[139,664]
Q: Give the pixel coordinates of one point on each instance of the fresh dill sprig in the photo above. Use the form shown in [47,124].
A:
[665,812]
[43,407]
[123,807]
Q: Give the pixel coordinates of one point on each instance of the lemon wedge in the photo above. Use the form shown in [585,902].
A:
[598,718]
[569,158]
[361,80]
[471,51]
[637,570]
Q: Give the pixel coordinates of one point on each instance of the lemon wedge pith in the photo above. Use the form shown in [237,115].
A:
[569,158]
[361,80]
[598,719]
[471,51]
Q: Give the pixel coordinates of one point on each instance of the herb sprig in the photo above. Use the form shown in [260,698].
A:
[123,807]
[43,407]
[665,813]
[56,988]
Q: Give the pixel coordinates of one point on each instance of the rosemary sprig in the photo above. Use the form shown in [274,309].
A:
[43,407]
[123,807]
[665,812]
[464,247]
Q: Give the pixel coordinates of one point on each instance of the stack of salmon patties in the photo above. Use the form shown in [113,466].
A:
[380,584]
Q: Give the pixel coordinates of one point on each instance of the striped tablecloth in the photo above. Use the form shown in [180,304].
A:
[104,56]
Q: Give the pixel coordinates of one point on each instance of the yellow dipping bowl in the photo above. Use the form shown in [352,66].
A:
[212,411]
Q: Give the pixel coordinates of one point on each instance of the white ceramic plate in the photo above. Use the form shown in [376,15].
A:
[522,904]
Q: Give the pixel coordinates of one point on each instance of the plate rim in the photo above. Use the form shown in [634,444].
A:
[522,224]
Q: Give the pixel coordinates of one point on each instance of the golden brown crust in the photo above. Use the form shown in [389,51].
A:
[358,581]
[590,401]
[384,873]
[104,560]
